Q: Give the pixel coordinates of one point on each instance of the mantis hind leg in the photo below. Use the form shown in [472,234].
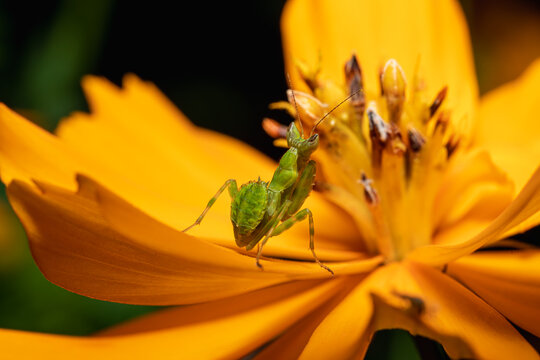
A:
[299,216]
[233,189]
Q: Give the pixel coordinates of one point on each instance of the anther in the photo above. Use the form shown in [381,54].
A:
[451,145]
[369,192]
[438,101]
[393,86]
[353,77]
[378,129]
[442,122]
[378,132]
[416,140]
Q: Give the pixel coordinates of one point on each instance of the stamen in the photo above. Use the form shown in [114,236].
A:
[416,140]
[451,145]
[438,101]
[387,172]
[378,132]
[393,84]
[369,192]
[383,238]
[441,124]
[353,77]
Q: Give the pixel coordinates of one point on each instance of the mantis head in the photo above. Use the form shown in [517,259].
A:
[305,146]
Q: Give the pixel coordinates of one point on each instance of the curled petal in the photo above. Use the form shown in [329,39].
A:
[473,191]
[508,128]
[525,205]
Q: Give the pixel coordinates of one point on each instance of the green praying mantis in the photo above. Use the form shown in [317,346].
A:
[261,210]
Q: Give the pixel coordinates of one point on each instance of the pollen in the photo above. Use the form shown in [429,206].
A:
[386,151]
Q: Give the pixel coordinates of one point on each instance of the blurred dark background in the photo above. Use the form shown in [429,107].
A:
[220,62]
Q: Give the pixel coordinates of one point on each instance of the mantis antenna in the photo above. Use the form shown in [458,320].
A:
[331,110]
[295,106]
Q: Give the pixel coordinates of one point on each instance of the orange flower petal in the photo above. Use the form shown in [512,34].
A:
[434,33]
[517,273]
[27,152]
[156,167]
[508,127]
[473,191]
[135,132]
[228,329]
[466,326]
[346,332]
[292,342]
[525,205]
[452,315]
[140,146]
[115,252]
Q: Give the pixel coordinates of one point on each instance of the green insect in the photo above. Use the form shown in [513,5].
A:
[260,210]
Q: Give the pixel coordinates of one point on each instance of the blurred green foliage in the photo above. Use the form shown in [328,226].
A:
[58,54]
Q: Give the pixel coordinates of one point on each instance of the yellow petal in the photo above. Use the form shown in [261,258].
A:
[508,127]
[432,32]
[473,191]
[507,280]
[95,244]
[525,205]
[228,329]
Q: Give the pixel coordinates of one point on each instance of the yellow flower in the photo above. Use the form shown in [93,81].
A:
[399,213]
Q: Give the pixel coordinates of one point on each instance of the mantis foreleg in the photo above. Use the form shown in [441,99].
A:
[233,189]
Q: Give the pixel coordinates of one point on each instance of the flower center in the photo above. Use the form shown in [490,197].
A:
[381,155]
